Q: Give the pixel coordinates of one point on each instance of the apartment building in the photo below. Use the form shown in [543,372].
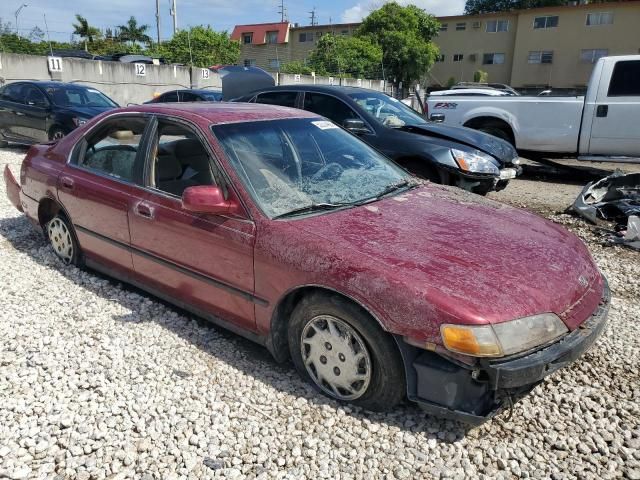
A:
[270,45]
[553,46]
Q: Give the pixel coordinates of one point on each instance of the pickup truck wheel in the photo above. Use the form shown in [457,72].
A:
[497,132]
[63,240]
[344,354]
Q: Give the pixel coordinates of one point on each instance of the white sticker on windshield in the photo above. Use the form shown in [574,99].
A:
[324,124]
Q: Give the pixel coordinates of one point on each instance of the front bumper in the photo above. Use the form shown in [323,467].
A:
[12,187]
[474,394]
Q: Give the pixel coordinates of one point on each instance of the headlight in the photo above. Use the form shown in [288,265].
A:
[79,121]
[503,338]
[476,162]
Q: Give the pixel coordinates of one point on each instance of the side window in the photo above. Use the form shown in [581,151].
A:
[180,160]
[189,97]
[285,99]
[34,96]
[625,81]
[330,107]
[14,93]
[113,149]
[169,97]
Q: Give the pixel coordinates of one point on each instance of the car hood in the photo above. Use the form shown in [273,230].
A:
[475,259]
[497,148]
[85,112]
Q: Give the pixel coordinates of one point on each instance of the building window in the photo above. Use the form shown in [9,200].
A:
[461,26]
[625,81]
[271,37]
[247,38]
[593,55]
[305,37]
[274,64]
[444,27]
[549,21]
[541,57]
[602,18]
[249,62]
[440,58]
[494,26]
[344,33]
[458,57]
[493,59]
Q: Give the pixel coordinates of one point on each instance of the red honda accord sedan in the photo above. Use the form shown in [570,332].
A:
[279,225]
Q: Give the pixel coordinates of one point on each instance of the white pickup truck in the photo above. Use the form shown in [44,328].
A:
[602,126]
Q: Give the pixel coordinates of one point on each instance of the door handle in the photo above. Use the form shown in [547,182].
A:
[67,183]
[144,210]
[20,114]
[602,111]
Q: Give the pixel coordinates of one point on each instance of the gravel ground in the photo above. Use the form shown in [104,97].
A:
[98,380]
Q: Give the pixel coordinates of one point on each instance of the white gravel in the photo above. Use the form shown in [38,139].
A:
[98,380]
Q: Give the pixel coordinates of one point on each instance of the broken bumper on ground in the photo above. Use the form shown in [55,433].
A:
[444,387]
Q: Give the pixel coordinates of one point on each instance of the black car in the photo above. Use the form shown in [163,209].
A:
[188,96]
[32,112]
[444,154]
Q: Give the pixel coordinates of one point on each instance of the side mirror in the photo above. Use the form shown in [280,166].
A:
[355,125]
[207,199]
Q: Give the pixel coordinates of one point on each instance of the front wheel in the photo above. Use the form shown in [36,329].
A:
[343,352]
[63,240]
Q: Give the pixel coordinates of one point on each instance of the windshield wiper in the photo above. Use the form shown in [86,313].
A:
[314,207]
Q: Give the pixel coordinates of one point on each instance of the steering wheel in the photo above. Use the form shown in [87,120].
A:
[330,171]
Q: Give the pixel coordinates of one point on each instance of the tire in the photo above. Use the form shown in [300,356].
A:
[497,132]
[56,133]
[62,239]
[352,360]
[4,144]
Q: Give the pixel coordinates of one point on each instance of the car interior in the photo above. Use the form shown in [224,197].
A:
[181,161]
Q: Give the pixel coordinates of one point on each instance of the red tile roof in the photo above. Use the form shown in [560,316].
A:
[259,31]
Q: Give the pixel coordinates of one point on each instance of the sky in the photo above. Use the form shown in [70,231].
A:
[220,14]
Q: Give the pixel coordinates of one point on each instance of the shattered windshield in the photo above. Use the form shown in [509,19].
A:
[298,165]
[387,110]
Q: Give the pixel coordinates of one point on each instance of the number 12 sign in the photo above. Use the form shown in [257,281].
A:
[141,69]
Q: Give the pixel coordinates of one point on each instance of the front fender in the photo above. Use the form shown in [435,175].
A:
[13,188]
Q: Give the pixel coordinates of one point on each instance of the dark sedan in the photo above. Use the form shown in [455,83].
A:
[449,155]
[32,112]
[173,96]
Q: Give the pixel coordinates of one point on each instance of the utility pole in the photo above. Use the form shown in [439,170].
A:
[174,14]
[282,10]
[314,22]
[158,19]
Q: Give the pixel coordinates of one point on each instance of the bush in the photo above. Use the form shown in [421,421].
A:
[480,76]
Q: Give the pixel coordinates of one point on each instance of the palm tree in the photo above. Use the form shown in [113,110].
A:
[85,31]
[132,32]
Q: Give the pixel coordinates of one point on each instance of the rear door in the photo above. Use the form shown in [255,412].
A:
[99,186]
[203,260]
[13,124]
[615,126]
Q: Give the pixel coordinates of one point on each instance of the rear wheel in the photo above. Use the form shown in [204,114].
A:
[63,240]
[497,131]
[344,354]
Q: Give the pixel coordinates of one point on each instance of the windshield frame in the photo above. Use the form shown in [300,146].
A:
[249,189]
[355,96]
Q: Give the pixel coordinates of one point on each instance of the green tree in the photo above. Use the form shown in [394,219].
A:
[297,66]
[404,34]
[134,33]
[85,31]
[346,56]
[480,76]
[208,47]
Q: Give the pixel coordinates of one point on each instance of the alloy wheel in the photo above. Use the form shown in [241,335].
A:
[336,357]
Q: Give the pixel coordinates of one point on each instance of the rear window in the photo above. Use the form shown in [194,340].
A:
[625,81]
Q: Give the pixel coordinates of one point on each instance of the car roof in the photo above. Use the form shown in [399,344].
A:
[222,112]
[319,88]
[49,83]
[197,90]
